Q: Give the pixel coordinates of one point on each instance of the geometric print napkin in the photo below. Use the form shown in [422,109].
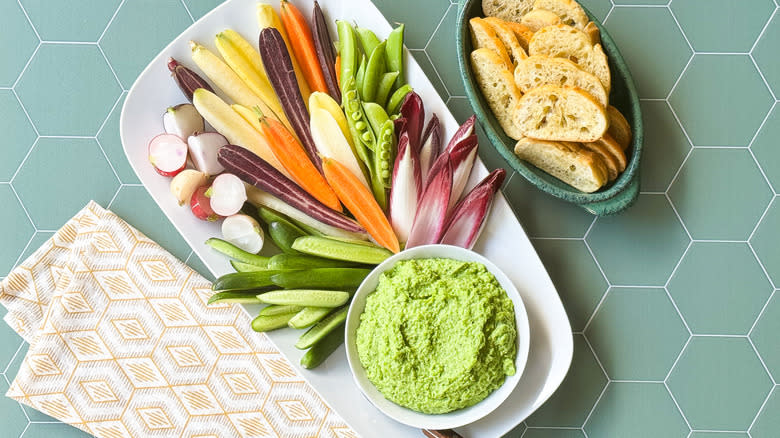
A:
[123,344]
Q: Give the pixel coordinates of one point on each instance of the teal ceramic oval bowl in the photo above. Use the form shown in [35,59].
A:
[610,199]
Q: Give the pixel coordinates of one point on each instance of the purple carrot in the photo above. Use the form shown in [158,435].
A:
[406,189]
[465,130]
[431,146]
[468,218]
[323,45]
[429,221]
[255,171]
[187,80]
[278,65]
[413,111]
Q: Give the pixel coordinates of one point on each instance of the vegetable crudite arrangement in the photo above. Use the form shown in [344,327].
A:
[547,81]
[323,148]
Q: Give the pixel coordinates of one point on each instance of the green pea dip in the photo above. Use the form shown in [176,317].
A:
[437,335]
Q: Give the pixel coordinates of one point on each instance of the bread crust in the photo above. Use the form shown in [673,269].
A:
[510,10]
[483,36]
[569,162]
[542,70]
[556,113]
[619,127]
[569,11]
[498,88]
[539,18]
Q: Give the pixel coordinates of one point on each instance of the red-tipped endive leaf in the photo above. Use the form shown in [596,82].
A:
[468,218]
[431,146]
[465,130]
[399,125]
[463,156]
[406,189]
[413,111]
[431,216]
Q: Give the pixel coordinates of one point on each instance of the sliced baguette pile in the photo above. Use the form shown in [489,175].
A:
[541,68]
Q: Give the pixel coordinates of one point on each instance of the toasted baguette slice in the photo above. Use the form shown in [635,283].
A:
[564,41]
[539,18]
[541,70]
[555,113]
[610,162]
[498,87]
[619,128]
[614,148]
[509,10]
[592,31]
[508,38]
[483,36]
[522,33]
[569,11]
[570,163]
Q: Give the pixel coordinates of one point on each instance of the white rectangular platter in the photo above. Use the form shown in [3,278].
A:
[503,240]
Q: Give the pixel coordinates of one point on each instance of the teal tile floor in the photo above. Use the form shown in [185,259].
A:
[674,304]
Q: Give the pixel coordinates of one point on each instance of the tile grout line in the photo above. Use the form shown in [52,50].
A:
[21,253]
[436,29]
[682,128]
[27,16]
[679,217]
[26,65]
[677,82]
[596,403]
[763,29]
[446,90]
[758,414]
[761,75]
[677,405]
[111,67]
[761,313]
[677,359]
[183,3]
[680,28]
[24,160]
[761,359]
[23,206]
[110,21]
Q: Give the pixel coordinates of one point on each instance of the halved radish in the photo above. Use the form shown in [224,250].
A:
[201,205]
[203,151]
[244,232]
[168,154]
[227,194]
[183,120]
[185,183]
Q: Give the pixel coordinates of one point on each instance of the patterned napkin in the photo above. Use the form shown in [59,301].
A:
[123,344]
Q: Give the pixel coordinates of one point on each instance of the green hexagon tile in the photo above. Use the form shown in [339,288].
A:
[673,304]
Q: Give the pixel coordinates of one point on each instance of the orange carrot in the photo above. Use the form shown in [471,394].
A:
[290,153]
[359,200]
[338,69]
[302,44]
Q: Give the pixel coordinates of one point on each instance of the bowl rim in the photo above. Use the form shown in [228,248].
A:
[487,119]
[458,417]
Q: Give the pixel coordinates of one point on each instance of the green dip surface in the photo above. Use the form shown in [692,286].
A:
[437,335]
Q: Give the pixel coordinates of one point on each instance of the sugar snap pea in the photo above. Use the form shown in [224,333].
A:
[384,154]
[356,120]
[360,75]
[395,54]
[374,71]
[385,87]
[397,98]
[348,52]
[368,39]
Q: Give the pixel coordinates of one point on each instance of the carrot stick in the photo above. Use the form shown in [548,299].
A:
[290,153]
[338,69]
[303,45]
[359,200]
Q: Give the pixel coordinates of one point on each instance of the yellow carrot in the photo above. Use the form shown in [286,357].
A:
[293,157]
[361,203]
[319,100]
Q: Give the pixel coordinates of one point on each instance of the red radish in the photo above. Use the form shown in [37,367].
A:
[244,232]
[405,190]
[168,154]
[431,146]
[468,218]
[227,194]
[183,120]
[203,151]
[201,205]
[465,130]
[431,214]
[185,183]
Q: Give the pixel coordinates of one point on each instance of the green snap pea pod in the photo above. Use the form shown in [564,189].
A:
[356,120]
[368,39]
[273,309]
[374,71]
[361,74]
[397,98]
[384,154]
[395,54]
[322,328]
[376,115]
[385,87]
[322,349]
[236,253]
[348,51]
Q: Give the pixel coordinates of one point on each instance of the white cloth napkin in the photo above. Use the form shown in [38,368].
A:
[123,344]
